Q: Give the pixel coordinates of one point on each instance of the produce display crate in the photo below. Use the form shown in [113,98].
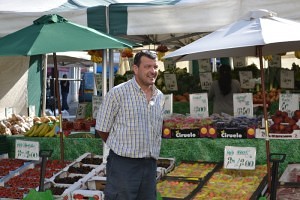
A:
[96,183]
[171,188]
[291,174]
[194,170]
[165,165]
[87,194]
[288,191]
[234,184]
[61,191]
[90,159]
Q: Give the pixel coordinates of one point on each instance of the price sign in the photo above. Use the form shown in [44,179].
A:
[81,110]
[169,64]
[242,104]
[275,62]
[289,103]
[287,79]
[168,106]
[199,105]
[98,81]
[245,79]
[31,110]
[239,61]
[239,157]
[170,82]
[96,100]
[27,150]
[8,112]
[204,65]
[205,80]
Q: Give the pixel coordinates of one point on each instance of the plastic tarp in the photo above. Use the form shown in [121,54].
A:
[13,90]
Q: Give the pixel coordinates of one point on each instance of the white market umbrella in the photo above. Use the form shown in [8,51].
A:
[259,33]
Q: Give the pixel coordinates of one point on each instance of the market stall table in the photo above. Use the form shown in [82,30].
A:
[204,149]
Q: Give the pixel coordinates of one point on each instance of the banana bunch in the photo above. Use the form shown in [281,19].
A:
[41,130]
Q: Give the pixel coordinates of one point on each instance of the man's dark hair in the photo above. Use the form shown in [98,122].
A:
[225,79]
[139,55]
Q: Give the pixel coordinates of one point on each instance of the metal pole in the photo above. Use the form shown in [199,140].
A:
[262,75]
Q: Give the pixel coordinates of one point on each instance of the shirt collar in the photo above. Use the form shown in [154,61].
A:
[138,87]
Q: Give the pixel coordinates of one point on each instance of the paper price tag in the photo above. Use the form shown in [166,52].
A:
[289,103]
[204,65]
[239,157]
[239,61]
[168,106]
[242,104]
[205,80]
[170,82]
[98,80]
[27,150]
[287,79]
[245,79]
[199,105]
[97,100]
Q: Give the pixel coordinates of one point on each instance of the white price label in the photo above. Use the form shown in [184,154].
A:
[242,104]
[170,82]
[205,80]
[97,100]
[245,79]
[27,150]
[287,79]
[168,106]
[239,157]
[199,105]
[289,103]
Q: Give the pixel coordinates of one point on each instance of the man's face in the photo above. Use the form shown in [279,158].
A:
[147,72]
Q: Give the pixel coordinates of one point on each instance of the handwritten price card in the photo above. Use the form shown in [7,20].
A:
[199,105]
[239,157]
[98,80]
[27,150]
[287,79]
[8,112]
[81,111]
[243,104]
[205,80]
[170,82]
[169,64]
[31,110]
[168,107]
[204,65]
[245,79]
[96,101]
[289,103]
[275,62]
[239,61]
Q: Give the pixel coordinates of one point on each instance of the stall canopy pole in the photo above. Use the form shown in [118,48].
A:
[59,107]
[262,75]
